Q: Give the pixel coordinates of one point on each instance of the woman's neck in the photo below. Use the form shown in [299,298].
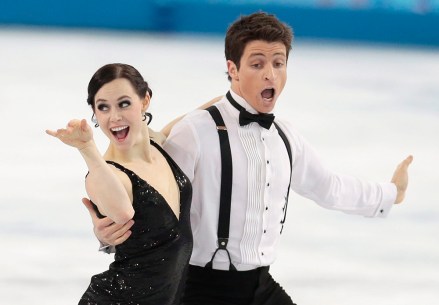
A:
[140,151]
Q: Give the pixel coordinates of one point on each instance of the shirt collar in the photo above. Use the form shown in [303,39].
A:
[241,101]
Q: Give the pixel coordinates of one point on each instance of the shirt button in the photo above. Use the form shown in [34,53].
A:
[268,161]
[381,211]
[265,231]
[266,208]
[268,184]
[262,253]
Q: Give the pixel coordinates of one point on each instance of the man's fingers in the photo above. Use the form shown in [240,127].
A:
[407,161]
[400,178]
[128,225]
[115,234]
[104,222]
[120,230]
[122,238]
[106,230]
[108,224]
[89,206]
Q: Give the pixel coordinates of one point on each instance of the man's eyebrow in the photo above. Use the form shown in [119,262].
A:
[262,54]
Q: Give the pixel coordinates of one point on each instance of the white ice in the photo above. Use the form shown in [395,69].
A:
[363,107]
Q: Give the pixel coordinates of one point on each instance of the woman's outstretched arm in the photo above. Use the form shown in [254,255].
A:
[103,185]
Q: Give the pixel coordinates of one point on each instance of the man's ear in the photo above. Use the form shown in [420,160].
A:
[232,69]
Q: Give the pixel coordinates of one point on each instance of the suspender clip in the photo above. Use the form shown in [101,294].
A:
[222,243]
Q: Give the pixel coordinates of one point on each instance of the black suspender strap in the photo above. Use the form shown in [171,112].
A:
[226,186]
[287,145]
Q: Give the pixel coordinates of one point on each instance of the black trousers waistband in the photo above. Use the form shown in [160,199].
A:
[205,286]
[218,287]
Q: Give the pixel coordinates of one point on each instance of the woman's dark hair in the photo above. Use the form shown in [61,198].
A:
[257,26]
[114,71]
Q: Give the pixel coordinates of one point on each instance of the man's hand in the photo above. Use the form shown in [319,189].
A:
[107,231]
[400,178]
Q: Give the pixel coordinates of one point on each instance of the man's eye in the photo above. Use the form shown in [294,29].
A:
[102,107]
[124,104]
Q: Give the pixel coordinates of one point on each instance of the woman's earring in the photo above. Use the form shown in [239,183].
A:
[147,115]
[93,119]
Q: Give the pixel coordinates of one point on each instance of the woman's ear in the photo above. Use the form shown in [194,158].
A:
[145,102]
[232,70]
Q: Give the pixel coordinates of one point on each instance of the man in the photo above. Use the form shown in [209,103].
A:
[241,186]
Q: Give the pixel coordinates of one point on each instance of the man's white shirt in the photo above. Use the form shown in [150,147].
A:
[261,173]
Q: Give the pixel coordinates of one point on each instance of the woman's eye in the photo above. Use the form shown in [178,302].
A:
[102,107]
[124,104]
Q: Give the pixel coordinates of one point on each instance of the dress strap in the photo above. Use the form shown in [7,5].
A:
[118,166]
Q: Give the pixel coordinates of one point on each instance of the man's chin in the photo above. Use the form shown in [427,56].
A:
[267,105]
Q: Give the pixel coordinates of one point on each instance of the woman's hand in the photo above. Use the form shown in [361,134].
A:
[77,134]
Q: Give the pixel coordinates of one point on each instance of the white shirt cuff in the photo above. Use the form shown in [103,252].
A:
[388,199]
[106,248]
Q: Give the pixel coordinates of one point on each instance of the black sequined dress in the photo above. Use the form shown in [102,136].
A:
[150,266]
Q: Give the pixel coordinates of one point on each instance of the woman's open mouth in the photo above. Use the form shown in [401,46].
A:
[120,133]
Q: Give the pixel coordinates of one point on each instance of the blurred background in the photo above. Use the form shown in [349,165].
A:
[363,88]
[397,21]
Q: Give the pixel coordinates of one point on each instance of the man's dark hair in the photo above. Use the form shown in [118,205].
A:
[257,26]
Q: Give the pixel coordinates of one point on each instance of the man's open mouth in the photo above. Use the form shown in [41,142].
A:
[268,93]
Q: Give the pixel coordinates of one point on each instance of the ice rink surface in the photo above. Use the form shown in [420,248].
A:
[363,107]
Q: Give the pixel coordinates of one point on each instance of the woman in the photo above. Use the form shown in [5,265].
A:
[135,179]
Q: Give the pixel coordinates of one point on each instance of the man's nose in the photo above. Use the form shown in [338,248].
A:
[270,73]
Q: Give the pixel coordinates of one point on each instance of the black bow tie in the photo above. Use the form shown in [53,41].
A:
[263,119]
